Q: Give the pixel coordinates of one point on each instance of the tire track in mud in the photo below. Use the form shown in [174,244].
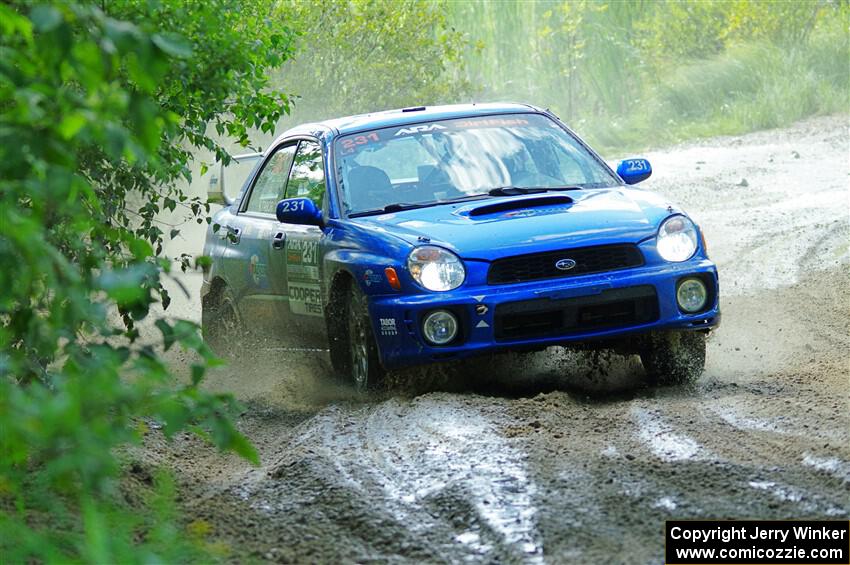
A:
[434,465]
[760,454]
[673,454]
[662,440]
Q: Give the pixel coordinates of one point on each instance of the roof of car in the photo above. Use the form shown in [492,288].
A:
[403,116]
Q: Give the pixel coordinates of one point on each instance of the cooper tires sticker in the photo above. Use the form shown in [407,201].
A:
[302,275]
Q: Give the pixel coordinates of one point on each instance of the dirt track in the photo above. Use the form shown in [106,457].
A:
[534,459]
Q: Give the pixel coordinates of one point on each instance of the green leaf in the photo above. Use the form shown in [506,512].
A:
[140,248]
[188,334]
[45,18]
[127,286]
[244,448]
[173,44]
[167,330]
[205,261]
[71,124]
[197,373]
[11,22]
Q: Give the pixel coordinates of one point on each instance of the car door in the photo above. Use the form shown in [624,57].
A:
[300,275]
[260,300]
[222,243]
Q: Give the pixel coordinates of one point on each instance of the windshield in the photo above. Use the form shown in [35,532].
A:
[461,158]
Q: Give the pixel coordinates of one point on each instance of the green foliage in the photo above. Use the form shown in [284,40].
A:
[99,112]
[97,530]
[780,74]
[652,71]
[366,55]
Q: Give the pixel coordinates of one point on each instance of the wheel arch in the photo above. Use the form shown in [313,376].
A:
[341,282]
[336,311]
[216,291]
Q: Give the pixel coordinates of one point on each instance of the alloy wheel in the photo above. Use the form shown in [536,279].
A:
[359,351]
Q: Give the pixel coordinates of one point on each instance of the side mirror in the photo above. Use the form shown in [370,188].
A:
[301,211]
[215,192]
[236,174]
[633,171]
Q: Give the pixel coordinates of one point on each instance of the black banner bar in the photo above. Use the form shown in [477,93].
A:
[764,542]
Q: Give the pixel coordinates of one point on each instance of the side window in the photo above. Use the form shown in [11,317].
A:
[269,187]
[308,176]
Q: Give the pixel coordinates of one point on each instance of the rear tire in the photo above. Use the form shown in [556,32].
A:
[220,323]
[673,357]
[359,359]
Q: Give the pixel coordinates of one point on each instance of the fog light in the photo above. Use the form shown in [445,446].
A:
[691,295]
[440,327]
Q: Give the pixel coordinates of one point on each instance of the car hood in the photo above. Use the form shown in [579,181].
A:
[499,227]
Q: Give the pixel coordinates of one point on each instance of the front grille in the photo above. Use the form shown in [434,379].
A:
[545,317]
[537,266]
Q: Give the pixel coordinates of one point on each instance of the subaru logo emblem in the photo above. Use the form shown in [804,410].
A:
[565,264]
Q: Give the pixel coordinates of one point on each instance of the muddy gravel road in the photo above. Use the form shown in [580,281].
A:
[561,457]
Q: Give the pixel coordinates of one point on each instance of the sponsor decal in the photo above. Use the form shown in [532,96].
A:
[305,299]
[388,326]
[519,214]
[370,277]
[491,123]
[419,129]
[302,276]
[349,144]
[256,269]
[302,259]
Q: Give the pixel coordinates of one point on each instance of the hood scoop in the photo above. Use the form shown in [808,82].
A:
[516,204]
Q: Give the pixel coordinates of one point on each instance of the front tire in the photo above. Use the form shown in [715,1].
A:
[673,357]
[354,351]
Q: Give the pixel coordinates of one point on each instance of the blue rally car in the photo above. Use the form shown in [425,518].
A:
[428,234]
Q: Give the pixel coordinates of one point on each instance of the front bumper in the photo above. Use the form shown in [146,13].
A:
[538,314]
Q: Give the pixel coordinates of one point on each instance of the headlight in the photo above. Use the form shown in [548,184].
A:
[436,268]
[677,239]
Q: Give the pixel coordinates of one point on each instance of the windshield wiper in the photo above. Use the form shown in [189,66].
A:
[394,207]
[401,206]
[515,190]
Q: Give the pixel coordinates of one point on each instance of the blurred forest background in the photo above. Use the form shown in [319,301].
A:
[111,110]
[623,74]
